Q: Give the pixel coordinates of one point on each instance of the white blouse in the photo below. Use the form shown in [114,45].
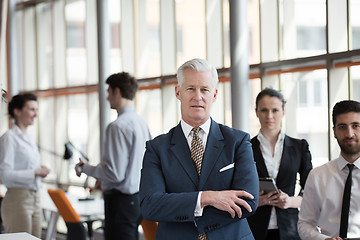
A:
[272,165]
[19,157]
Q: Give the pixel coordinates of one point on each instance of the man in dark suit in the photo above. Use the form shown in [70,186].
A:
[199,183]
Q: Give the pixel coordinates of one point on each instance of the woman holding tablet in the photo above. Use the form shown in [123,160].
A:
[280,157]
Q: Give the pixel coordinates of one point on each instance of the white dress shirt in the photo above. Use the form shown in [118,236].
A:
[272,164]
[203,134]
[320,211]
[19,157]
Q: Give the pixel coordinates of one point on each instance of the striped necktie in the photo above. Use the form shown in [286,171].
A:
[197,153]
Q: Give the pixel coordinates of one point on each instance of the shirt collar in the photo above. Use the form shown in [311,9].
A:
[342,162]
[281,137]
[15,128]
[187,128]
[126,109]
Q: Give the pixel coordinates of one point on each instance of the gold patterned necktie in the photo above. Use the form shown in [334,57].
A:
[197,153]
[197,150]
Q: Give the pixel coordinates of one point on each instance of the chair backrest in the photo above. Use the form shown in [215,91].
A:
[149,228]
[64,206]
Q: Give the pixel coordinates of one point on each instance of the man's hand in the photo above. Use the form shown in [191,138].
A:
[228,201]
[42,172]
[78,167]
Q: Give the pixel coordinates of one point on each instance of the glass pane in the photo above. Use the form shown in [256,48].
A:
[190,24]
[29,51]
[76,51]
[149,107]
[149,39]
[44,43]
[78,127]
[354,8]
[61,137]
[254,89]
[226,26]
[46,142]
[59,40]
[306,96]
[303,24]
[254,31]
[355,78]
[94,128]
[115,24]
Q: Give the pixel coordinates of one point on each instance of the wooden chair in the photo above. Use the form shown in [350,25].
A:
[149,228]
[76,229]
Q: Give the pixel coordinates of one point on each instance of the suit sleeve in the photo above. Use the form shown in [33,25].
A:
[245,178]
[306,164]
[156,203]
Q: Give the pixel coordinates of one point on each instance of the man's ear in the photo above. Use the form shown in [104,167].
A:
[117,92]
[177,91]
[215,94]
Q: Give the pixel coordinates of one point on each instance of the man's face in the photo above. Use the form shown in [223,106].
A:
[112,98]
[196,95]
[347,132]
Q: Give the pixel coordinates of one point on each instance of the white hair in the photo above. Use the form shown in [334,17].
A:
[198,65]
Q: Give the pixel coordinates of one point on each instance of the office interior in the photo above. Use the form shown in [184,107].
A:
[63,50]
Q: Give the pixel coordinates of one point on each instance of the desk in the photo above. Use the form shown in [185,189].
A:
[88,210]
[17,236]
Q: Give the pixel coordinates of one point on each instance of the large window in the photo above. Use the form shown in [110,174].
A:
[307,49]
[303,27]
[306,110]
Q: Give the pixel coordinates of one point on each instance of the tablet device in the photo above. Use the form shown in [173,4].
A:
[268,185]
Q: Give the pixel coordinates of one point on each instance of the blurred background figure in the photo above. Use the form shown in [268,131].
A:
[120,166]
[20,169]
[280,157]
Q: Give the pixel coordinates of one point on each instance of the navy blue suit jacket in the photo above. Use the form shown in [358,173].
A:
[296,158]
[170,185]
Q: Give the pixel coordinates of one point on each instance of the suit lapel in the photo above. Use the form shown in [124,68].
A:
[214,147]
[180,149]
[260,162]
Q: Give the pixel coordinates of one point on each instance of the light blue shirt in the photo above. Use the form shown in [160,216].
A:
[124,149]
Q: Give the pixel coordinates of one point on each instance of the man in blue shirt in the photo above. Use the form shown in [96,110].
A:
[119,168]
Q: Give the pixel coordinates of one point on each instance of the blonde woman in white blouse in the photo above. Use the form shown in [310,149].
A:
[20,169]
